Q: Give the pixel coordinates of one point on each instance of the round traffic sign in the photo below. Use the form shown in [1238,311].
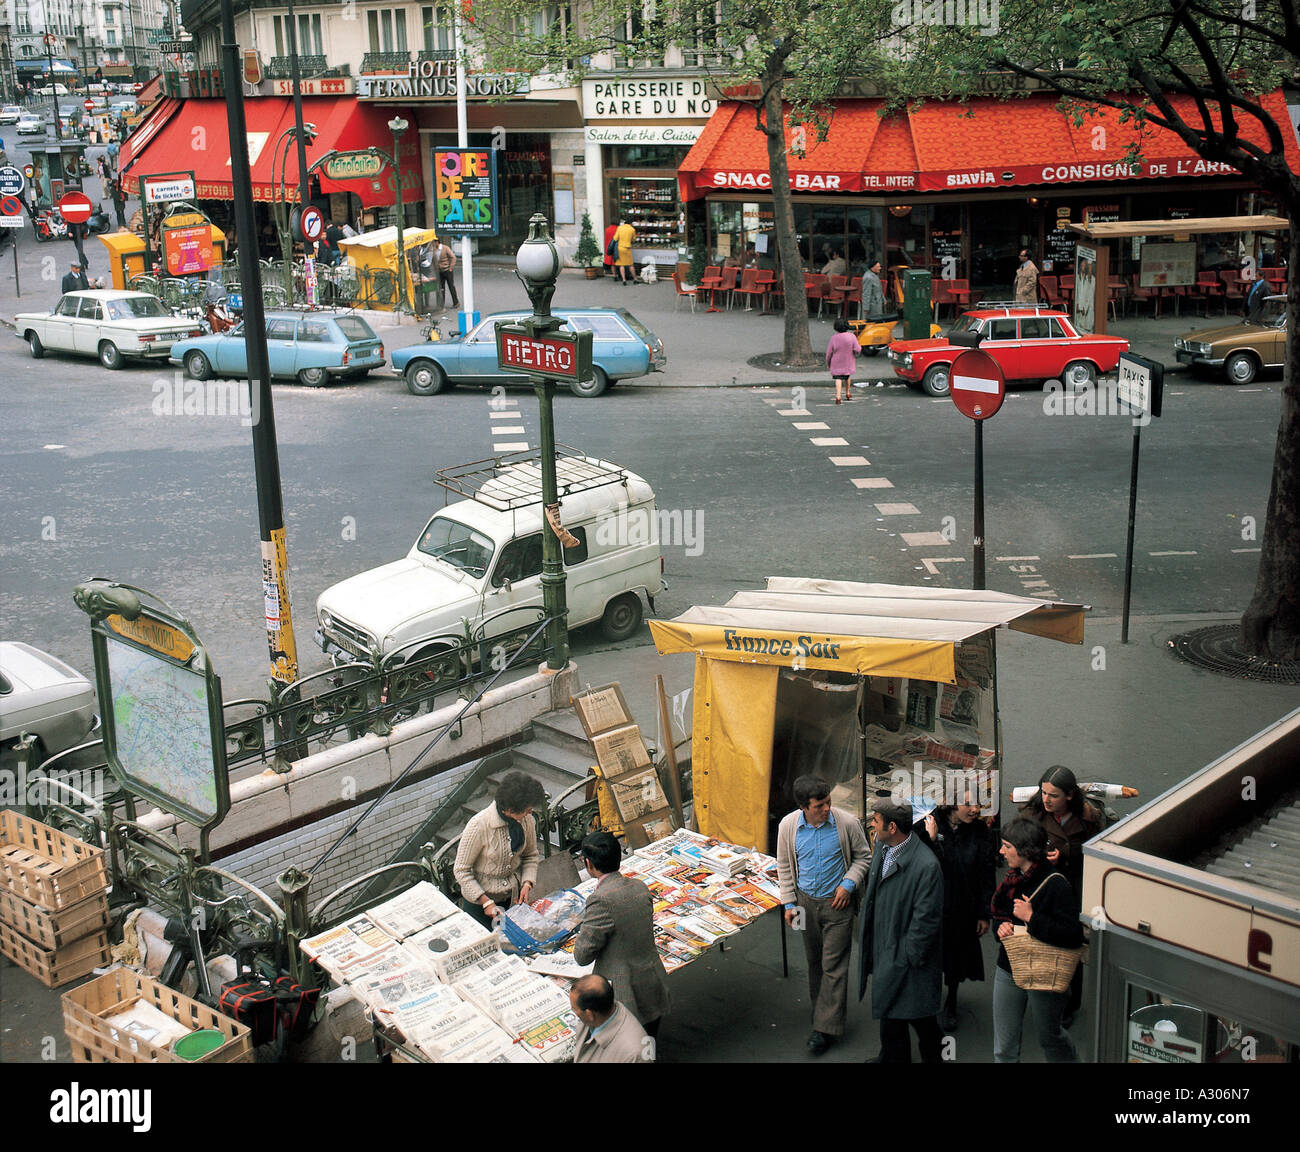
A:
[88,105]
[75,207]
[10,206]
[976,384]
[11,182]
[312,223]
[28,171]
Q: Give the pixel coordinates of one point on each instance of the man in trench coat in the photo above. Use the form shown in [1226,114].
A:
[901,951]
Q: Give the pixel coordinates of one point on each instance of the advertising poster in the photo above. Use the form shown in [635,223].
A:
[465,192]
[188,250]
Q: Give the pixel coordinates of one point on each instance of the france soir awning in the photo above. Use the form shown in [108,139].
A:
[199,140]
[932,147]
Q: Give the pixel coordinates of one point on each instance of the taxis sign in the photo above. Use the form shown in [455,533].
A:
[544,354]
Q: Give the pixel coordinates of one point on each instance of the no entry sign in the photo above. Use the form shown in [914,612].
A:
[75,207]
[976,384]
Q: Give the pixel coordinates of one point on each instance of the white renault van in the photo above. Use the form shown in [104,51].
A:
[476,568]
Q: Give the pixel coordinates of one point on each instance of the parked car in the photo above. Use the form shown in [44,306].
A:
[1029,342]
[1241,349]
[42,697]
[30,125]
[314,347]
[109,323]
[622,349]
[11,114]
[477,565]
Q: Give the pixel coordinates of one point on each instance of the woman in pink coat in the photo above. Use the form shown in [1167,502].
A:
[842,350]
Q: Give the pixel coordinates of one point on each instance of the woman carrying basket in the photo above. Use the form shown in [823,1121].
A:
[1035,894]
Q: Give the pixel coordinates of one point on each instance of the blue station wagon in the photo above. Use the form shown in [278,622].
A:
[313,347]
[621,348]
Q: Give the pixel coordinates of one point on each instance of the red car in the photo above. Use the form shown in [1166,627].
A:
[1029,342]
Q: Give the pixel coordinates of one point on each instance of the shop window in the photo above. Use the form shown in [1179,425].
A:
[1163,1031]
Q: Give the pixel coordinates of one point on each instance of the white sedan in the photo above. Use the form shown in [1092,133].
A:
[29,125]
[108,323]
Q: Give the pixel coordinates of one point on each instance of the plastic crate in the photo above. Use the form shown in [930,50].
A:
[57,966]
[47,867]
[95,1042]
[53,929]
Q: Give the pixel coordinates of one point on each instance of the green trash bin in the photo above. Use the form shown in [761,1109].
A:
[916,303]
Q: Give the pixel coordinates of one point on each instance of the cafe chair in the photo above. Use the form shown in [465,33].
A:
[689,291]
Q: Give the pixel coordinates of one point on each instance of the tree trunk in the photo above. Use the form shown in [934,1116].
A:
[797,349]
[1270,627]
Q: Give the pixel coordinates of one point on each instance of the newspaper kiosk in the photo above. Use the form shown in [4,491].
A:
[857,683]
[1195,901]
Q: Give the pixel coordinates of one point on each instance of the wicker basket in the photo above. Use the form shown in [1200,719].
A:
[1039,967]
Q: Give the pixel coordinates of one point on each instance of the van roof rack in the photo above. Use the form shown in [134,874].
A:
[514,480]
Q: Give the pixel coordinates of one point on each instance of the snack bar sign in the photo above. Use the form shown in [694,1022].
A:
[545,355]
[465,192]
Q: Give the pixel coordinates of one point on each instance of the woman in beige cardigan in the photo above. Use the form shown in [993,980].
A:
[496,861]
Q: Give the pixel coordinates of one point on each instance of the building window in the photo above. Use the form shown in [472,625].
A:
[439,34]
[706,46]
[309,35]
[110,37]
[387,29]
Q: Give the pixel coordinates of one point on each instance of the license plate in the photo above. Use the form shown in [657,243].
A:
[235,300]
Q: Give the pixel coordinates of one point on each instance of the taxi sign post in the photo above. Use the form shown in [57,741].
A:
[977,388]
[1140,390]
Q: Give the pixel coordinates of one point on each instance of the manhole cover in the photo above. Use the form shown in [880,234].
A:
[1218,649]
[777,362]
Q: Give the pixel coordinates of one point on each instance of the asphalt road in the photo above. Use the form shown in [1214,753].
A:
[105,474]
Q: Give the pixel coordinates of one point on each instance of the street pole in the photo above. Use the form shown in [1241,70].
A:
[266,459]
[538,266]
[468,316]
[397,126]
[296,78]
[54,98]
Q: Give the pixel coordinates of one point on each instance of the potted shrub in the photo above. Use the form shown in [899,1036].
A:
[699,258]
[588,255]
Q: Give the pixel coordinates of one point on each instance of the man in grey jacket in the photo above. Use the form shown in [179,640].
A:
[901,948]
[609,1032]
[617,932]
[821,858]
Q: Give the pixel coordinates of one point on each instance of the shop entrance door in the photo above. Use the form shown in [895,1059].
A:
[996,232]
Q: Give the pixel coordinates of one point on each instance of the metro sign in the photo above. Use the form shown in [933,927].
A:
[546,355]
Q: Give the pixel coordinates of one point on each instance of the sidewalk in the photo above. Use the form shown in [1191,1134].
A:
[704,349]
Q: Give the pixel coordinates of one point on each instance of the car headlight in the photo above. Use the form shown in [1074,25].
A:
[907,360]
[1201,349]
[326,620]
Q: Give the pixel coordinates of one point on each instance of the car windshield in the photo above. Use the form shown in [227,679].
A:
[603,325]
[457,544]
[136,308]
[355,328]
[1274,312]
[966,324]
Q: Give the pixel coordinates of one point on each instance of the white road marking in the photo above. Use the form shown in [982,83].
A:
[1001,559]
[511,446]
[54,447]
[793,412]
[933,560]
[849,461]
[872,482]
[1235,550]
[503,415]
[829,441]
[507,429]
[898,509]
[916,539]
[1094,556]
[811,425]
[1171,553]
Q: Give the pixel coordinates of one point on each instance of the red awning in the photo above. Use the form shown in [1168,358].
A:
[986,143]
[200,140]
[135,144]
[732,154]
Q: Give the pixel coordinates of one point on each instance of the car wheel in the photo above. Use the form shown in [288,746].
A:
[1240,368]
[110,356]
[935,380]
[870,349]
[1079,374]
[622,616]
[313,377]
[197,366]
[34,343]
[596,386]
[425,378]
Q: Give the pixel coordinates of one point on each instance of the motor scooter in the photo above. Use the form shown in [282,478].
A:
[50,225]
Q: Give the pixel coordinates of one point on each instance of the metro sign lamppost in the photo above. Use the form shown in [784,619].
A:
[536,347]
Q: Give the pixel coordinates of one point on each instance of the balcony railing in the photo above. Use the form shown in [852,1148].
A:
[373,62]
[280,66]
[446,54]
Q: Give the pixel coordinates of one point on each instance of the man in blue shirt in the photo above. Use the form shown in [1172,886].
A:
[821,858]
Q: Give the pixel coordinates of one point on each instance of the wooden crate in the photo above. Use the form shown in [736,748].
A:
[53,929]
[54,967]
[94,1042]
[47,867]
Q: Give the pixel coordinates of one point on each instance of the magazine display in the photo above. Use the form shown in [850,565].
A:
[410,911]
